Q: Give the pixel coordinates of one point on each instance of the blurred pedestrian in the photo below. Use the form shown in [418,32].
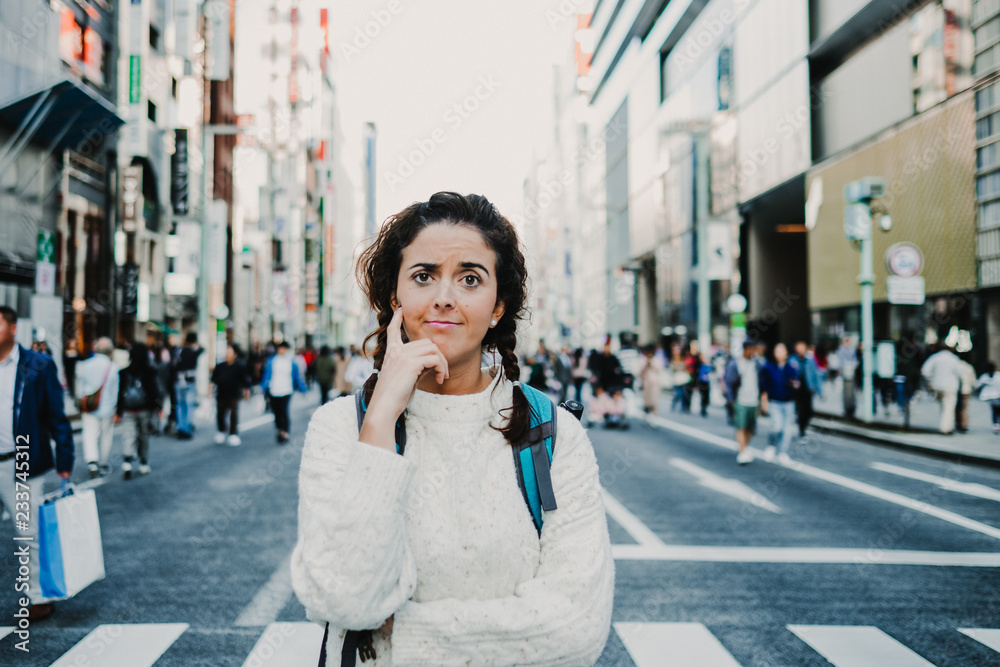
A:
[340,383]
[232,383]
[359,368]
[649,374]
[777,386]
[988,385]
[679,378]
[742,382]
[564,372]
[605,368]
[807,383]
[536,374]
[139,398]
[71,356]
[580,374]
[281,379]
[703,382]
[185,384]
[847,362]
[32,414]
[326,371]
[967,381]
[98,376]
[943,374]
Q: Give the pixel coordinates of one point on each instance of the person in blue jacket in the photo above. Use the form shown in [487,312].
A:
[281,379]
[32,414]
[778,383]
[808,384]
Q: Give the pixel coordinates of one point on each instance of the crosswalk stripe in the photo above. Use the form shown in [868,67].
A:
[968,488]
[989,637]
[287,645]
[6,630]
[673,645]
[730,487]
[138,645]
[270,599]
[857,646]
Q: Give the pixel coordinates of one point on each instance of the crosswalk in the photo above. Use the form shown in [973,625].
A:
[648,645]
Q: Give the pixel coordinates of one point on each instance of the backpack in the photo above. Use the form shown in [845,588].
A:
[532,459]
[135,397]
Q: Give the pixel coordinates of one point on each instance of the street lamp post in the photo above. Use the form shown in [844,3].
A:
[860,196]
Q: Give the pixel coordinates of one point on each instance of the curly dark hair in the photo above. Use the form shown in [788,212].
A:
[378,273]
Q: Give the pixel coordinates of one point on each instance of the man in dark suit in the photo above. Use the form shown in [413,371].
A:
[31,414]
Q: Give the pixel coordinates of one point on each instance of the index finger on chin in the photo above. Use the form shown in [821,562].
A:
[394,336]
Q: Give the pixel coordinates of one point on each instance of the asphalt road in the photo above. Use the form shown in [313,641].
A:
[850,548]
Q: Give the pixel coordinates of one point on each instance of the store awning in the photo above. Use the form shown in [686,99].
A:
[66,115]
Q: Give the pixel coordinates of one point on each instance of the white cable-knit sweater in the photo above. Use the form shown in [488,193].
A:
[442,539]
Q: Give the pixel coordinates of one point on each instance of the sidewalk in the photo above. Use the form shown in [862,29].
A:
[979,445]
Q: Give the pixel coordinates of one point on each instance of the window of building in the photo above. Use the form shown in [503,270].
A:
[151,110]
[173,87]
[943,49]
[987,98]
[989,215]
[154,38]
[988,186]
[988,157]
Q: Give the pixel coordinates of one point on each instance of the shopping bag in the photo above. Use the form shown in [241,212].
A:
[69,544]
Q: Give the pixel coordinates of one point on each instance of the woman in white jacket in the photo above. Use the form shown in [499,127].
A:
[436,549]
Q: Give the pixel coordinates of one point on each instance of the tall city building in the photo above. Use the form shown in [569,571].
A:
[58,170]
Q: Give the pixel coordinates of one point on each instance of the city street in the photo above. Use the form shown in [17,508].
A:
[851,550]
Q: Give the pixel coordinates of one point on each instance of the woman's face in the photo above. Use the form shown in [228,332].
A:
[447,287]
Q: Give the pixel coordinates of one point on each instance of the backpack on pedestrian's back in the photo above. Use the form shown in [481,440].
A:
[135,397]
[532,459]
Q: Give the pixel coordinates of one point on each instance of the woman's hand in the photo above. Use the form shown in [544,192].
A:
[403,365]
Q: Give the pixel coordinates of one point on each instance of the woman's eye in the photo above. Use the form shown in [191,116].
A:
[422,278]
[471,280]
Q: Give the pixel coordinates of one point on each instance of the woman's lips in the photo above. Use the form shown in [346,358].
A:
[442,325]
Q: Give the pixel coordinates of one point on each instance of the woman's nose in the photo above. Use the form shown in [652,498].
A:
[444,298]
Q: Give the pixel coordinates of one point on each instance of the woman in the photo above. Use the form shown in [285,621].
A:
[231,384]
[650,376]
[434,548]
[326,369]
[680,378]
[141,397]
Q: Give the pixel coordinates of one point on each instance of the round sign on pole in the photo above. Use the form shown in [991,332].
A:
[904,260]
[736,303]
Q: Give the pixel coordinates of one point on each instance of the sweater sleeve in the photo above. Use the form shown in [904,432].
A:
[351,565]
[560,617]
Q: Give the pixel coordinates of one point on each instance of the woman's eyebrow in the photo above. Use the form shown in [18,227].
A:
[473,265]
[429,266]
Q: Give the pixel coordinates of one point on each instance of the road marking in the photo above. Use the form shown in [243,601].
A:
[630,522]
[729,487]
[270,599]
[969,489]
[857,646]
[673,645]
[815,555]
[137,645]
[287,645]
[255,422]
[6,630]
[990,638]
[840,480]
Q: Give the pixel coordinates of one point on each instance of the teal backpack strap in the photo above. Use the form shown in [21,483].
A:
[359,405]
[533,458]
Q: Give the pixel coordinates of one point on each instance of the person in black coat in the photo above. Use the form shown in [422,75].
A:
[141,398]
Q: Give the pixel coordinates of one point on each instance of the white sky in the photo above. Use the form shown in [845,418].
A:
[431,56]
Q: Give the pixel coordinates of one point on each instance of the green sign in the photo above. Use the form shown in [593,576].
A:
[134,79]
[738,320]
[46,248]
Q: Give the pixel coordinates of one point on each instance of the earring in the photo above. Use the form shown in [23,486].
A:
[493,323]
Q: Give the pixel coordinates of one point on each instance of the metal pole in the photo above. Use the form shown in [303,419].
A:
[206,197]
[866,279]
[701,211]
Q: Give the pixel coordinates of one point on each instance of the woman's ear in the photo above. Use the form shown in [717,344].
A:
[498,311]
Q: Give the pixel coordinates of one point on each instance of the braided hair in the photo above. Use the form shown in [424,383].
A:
[378,273]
